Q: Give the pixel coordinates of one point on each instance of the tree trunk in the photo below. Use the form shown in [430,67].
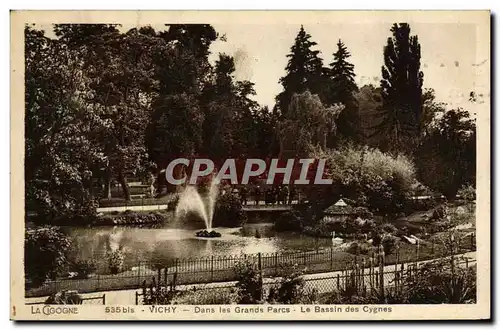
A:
[123,181]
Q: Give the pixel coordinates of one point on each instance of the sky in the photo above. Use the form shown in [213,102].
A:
[450,62]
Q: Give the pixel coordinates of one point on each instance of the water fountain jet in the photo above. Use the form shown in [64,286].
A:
[190,201]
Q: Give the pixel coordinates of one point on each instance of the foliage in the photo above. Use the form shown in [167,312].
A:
[83,268]
[342,90]
[303,71]
[468,193]
[359,248]
[64,298]
[229,211]
[447,156]
[438,282]
[61,129]
[289,221]
[115,261]
[130,218]
[401,90]
[389,243]
[157,294]
[388,228]
[249,283]
[306,125]
[371,178]
[290,289]
[44,253]
[207,297]
[369,100]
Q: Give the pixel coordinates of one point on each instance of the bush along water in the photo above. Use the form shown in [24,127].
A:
[229,212]
[44,254]
[129,218]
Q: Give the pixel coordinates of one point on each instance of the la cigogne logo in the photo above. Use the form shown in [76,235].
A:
[303,171]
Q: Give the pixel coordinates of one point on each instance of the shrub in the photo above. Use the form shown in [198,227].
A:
[156,294]
[362,212]
[468,193]
[207,297]
[289,221]
[44,253]
[389,228]
[337,225]
[389,243]
[115,261]
[83,268]
[228,212]
[370,177]
[290,289]
[130,218]
[440,212]
[438,282]
[249,283]
[359,248]
[64,298]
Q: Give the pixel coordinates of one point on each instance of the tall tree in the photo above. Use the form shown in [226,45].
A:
[401,89]
[120,66]
[447,156]
[342,90]
[369,100]
[304,71]
[62,130]
[306,125]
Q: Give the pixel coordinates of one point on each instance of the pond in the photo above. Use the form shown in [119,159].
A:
[169,241]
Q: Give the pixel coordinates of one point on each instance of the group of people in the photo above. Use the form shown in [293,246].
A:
[278,194]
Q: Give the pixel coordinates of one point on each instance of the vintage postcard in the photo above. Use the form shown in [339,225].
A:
[250,165]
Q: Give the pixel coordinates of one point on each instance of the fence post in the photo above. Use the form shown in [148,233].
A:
[166,278]
[260,277]
[98,281]
[137,298]
[381,271]
[176,265]
[418,252]
[331,257]
[260,263]
[212,268]
[139,274]
[159,279]
[304,257]
[276,264]
[363,285]
[338,282]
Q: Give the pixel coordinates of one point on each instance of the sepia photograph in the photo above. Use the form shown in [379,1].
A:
[250,165]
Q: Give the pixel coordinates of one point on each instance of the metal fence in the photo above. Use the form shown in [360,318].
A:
[221,268]
[378,279]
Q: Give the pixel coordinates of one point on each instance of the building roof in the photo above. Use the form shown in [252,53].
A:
[340,207]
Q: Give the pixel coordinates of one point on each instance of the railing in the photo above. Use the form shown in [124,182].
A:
[221,268]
